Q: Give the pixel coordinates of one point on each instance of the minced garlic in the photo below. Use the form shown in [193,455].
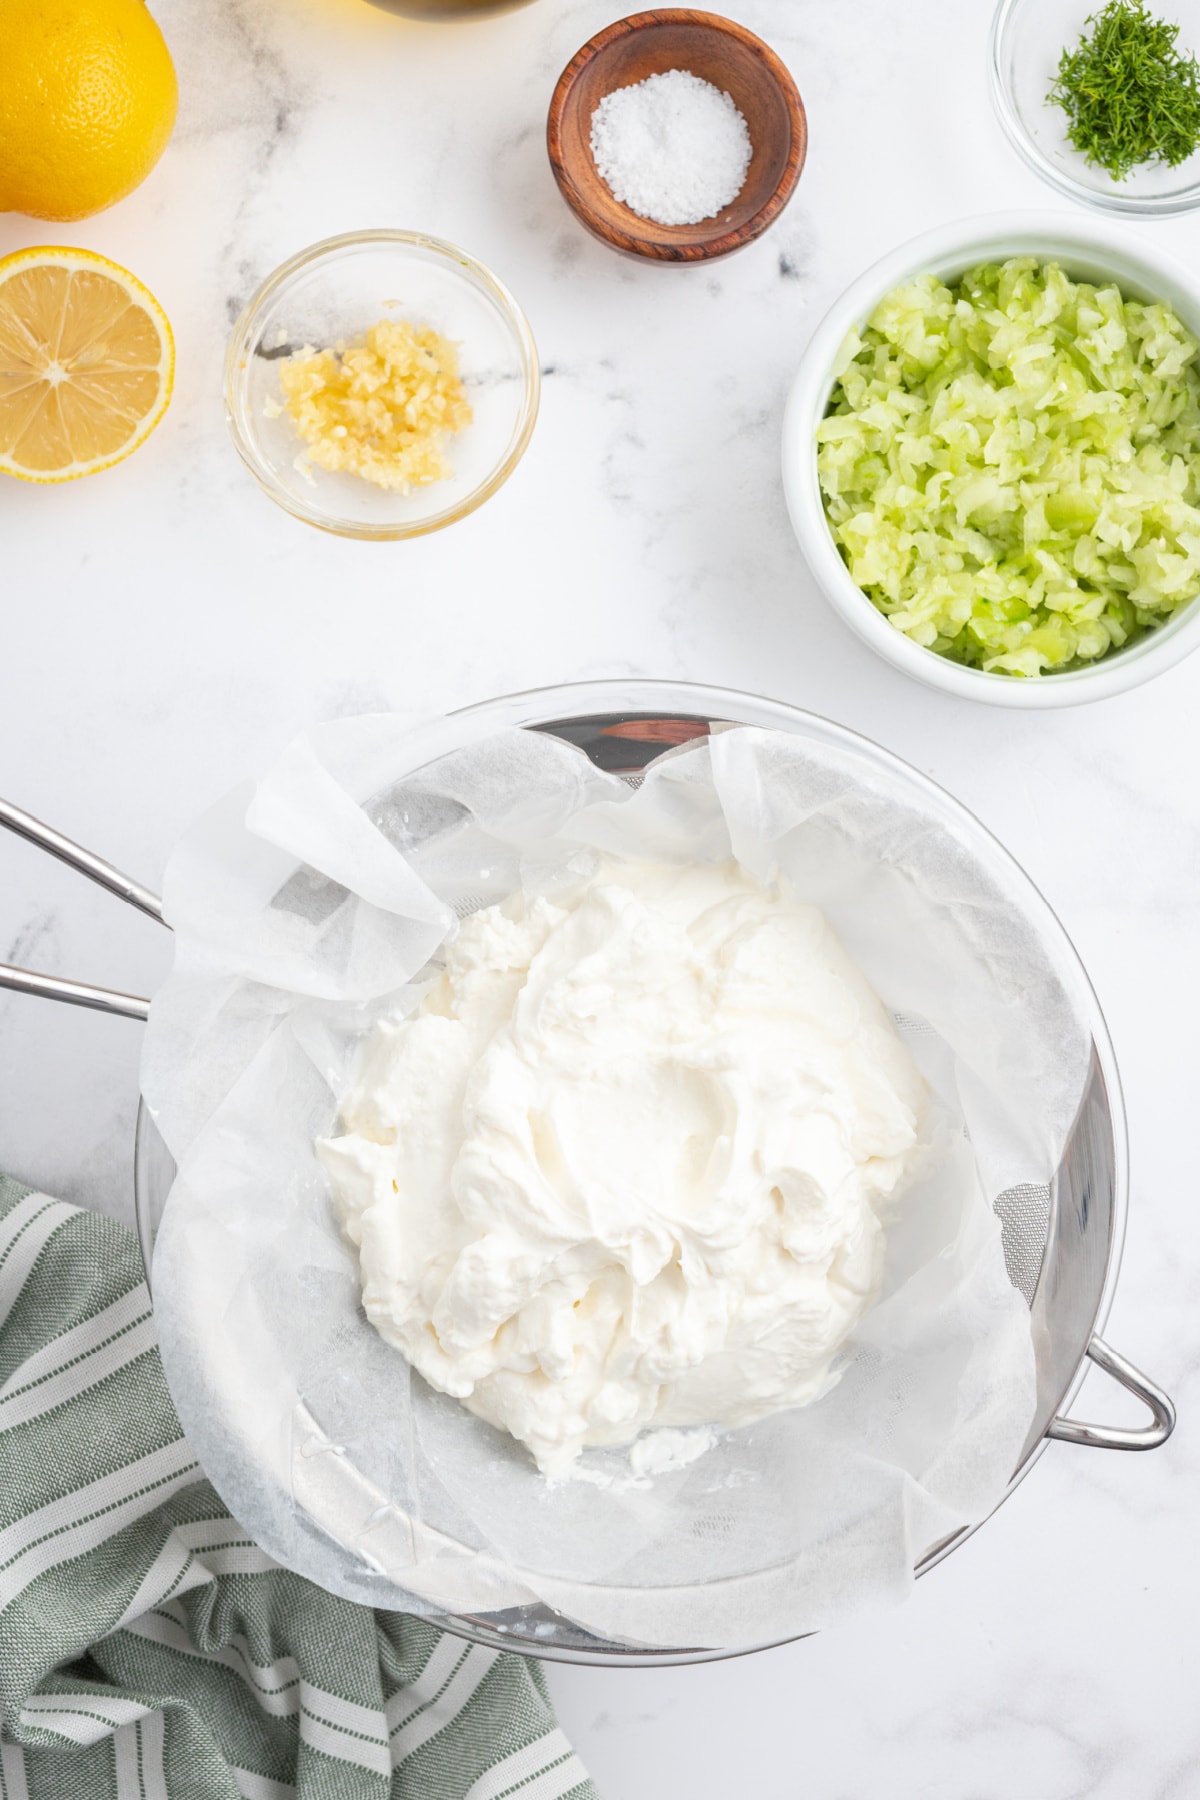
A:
[379,407]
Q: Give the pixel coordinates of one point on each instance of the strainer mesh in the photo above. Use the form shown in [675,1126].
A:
[1024,1214]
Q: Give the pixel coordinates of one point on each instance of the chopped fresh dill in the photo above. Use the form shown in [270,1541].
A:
[1129,95]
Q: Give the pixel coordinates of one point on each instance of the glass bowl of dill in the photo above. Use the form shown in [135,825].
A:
[1101,98]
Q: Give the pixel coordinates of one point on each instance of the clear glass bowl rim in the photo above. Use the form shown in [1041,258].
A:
[1144,206]
[268,290]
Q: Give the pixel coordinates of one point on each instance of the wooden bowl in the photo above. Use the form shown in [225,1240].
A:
[716,50]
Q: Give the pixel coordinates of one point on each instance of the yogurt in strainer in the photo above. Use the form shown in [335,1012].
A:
[630,1162]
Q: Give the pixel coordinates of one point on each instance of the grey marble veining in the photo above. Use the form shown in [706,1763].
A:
[165,630]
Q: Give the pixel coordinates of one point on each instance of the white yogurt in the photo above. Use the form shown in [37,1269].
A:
[630,1162]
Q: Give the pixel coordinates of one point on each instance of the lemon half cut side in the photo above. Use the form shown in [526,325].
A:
[87,363]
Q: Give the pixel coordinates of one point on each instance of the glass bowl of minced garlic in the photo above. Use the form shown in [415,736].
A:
[381,384]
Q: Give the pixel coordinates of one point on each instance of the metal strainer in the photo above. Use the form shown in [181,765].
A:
[1062,1242]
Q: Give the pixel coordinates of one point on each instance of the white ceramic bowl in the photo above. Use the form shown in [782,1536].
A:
[1087,248]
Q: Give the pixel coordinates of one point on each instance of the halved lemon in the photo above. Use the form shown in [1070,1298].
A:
[87,362]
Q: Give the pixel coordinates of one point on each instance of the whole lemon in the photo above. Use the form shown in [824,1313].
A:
[87,102]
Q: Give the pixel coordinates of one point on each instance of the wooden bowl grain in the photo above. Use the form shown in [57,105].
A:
[716,50]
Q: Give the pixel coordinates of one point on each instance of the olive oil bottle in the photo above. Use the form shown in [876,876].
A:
[448,11]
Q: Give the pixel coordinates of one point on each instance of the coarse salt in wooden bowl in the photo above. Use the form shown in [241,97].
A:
[715,50]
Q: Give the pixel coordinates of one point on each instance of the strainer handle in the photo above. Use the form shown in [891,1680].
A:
[53,987]
[1120,1437]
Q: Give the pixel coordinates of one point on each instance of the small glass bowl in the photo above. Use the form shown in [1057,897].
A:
[335,291]
[1028,38]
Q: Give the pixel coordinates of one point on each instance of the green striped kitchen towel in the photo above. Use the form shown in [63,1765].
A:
[148,1649]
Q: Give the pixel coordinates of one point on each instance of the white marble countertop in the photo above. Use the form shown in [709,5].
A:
[166,629]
